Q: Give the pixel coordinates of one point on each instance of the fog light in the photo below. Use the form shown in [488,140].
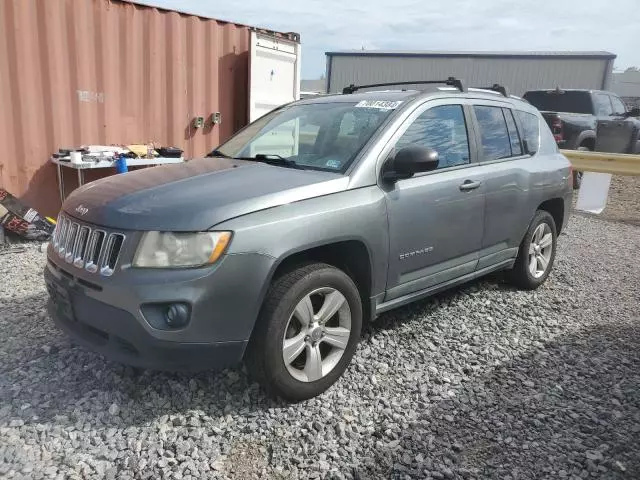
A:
[177,315]
[167,316]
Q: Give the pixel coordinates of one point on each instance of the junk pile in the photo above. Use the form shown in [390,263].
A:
[23,221]
[98,153]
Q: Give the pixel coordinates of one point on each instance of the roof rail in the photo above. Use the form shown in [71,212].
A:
[496,87]
[452,81]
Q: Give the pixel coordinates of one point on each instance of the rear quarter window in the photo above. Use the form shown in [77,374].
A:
[530,130]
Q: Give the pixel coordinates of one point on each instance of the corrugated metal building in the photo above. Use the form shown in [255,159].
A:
[518,71]
[111,72]
[627,85]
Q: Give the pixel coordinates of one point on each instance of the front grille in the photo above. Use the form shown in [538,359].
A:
[88,247]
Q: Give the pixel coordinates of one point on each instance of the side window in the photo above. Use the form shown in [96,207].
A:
[493,132]
[530,129]
[618,106]
[442,129]
[602,105]
[516,147]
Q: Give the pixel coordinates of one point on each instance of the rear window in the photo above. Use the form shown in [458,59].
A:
[530,130]
[552,101]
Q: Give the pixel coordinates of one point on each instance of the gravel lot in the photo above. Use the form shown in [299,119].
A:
[481,382]
[623,204]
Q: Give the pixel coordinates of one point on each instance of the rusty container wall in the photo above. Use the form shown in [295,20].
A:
[108,72]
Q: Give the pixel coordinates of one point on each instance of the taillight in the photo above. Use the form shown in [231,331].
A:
[556,129]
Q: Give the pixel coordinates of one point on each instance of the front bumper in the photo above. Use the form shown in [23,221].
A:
[108,317]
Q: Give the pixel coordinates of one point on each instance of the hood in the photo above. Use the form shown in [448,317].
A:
[195,195]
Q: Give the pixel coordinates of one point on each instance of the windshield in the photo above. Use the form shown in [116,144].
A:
[319,136]
[570,102]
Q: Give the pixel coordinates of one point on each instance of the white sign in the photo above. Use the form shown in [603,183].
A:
[380,104]
[90,97]
[594,189]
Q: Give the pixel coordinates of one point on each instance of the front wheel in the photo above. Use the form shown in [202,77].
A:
[537,253]
[307,332]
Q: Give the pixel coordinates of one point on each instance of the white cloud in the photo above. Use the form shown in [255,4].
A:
[327,25]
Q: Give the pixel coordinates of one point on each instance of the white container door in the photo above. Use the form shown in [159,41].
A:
[274,73]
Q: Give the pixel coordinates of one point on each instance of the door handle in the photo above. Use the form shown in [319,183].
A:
[469,185]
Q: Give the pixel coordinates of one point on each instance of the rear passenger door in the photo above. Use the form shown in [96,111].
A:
[503,160]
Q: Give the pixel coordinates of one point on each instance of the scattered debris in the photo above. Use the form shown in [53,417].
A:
[23,220]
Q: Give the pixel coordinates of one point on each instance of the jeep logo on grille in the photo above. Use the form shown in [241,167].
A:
[81,209]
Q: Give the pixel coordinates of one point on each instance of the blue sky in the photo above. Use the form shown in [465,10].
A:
[327,25]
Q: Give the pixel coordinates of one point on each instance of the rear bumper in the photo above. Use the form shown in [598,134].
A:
[111,318]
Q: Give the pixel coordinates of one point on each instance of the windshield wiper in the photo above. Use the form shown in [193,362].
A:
[273,159]
[217,153]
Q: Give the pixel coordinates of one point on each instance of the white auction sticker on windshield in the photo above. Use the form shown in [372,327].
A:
[380,104]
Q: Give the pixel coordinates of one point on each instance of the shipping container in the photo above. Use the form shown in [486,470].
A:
[76,72]
[517,71]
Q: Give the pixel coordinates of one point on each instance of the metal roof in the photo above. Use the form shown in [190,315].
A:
[478,54]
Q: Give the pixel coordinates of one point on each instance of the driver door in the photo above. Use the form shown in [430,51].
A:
[436,218]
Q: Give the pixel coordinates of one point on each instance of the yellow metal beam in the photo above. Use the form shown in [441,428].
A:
[601,162]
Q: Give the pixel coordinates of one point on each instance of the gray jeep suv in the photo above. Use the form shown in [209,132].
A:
[313,219]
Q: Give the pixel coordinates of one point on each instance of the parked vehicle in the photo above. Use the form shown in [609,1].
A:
[308,222]
[588,120]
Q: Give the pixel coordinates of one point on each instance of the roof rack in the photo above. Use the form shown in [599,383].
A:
[452,81]
[496,87]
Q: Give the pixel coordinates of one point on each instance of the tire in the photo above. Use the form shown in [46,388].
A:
[282,319]
[577,180]
[522,274]
[577,176]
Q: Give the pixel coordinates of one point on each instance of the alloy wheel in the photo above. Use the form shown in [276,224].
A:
[317,334]
[540,250]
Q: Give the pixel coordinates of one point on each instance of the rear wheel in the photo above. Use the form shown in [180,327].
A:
[537,253]
[307,332]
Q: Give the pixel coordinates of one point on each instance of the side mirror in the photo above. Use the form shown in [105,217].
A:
[633,112]
[411,160]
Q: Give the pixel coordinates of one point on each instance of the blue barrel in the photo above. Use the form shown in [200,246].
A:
[121,164]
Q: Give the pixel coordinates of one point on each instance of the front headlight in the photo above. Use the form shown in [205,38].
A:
[176,249]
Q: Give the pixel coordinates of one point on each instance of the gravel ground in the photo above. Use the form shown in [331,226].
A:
[623,204]
[481,382]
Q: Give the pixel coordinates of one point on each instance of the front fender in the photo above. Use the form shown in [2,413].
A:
[358,214]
